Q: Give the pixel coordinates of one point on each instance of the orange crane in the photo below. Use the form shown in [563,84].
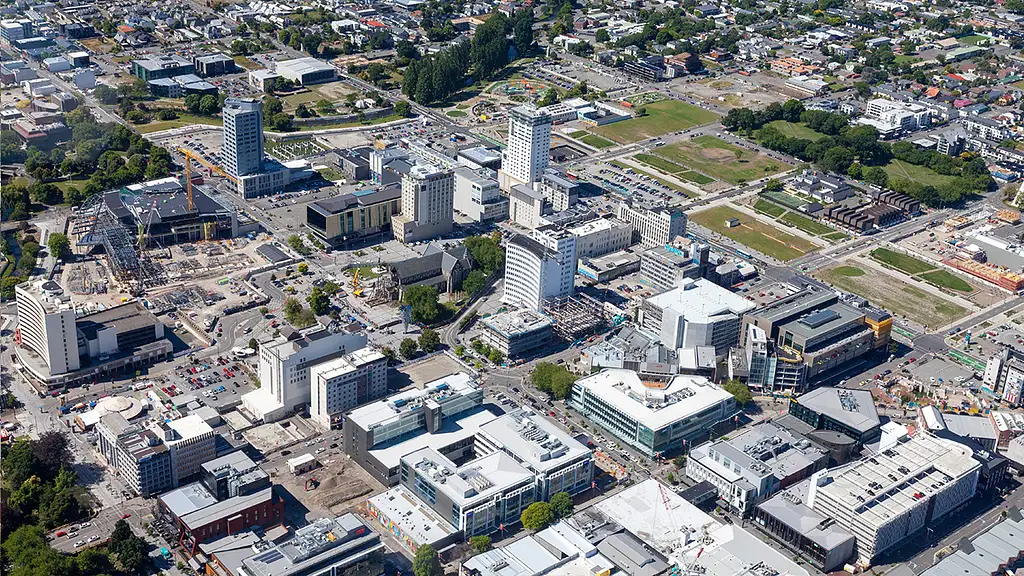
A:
[189,156]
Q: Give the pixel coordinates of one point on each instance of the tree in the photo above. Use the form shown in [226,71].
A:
[602,36]
[426,562]
[303,268]
[209,105]
[403,109]
[59,245]
[388,353]
[522,31]
[52,452]
[474,282]
[429,340]
[554,379]
[254,344]
[302,112]
[407,348]
[537,516]
[495,356]
[47,194]
[549,97]
[561,505]
[423,300]
[271,106]
[863,90]
[773,185]
[105,94]
[480,544]
[679,462]
[739,390]
[319,302]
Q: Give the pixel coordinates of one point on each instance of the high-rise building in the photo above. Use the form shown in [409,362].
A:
[539,267]
[243,136]
[46,325]
[344,383]
[428,195]
[697,313]
[529,147]
[653,226]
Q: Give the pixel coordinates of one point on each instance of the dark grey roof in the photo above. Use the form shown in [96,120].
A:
[272,253]
[341,203]
[434,259]
[123,318]
[536,248]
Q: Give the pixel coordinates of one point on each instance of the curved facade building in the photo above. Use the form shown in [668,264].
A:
[539,267]
[46,326]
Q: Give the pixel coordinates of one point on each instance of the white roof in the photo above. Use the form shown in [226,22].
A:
[475,481]
[300,460]
[684,396]
[262,401]
[453,430]
[701,300]
[384,410]
[301,66]
[416,519]
[536,440]
[189,427]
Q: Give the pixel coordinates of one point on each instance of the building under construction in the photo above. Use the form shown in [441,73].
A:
[125,223]
[576,316]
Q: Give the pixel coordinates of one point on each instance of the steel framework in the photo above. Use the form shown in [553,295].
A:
[96,225]
[575,316]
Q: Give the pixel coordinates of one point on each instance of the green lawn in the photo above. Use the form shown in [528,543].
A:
[973,39]
[65,184]
[921,174]
[758,235]
[944,279]
[654,177]
[331,175]
[835,236]
[806,224]
[769,208]
[721,160]
[455,113]
[182,121]
[246,63]
[595,141]
[901,58]
[381,120]
[903,262]
[662,117]
[659,163]
[307,97]
[796,130]
[849,271]
[695,177]
[895,295]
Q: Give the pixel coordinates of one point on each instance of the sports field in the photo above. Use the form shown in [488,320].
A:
[592,139]
[662,117]
[894,295]
[796,130]
[921,174]
[921,269]
[754,233]
[721,160]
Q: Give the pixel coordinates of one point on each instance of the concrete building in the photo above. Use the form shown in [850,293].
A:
[476,498]
[341,384]
[601,236]
[306,71]
[13,30]
[162,67]
[412,522]
[427,204]
[342,219]
[748,468]
[232,475]
[137,454]
[653,226]
[652,416]
[526,206]
[214,65]
[559,191]
[665,267]
[697,313]
[1004,375]
[285,362]
[848,412]
[191,442]
[516,333]
[477,195]
[888,497]
[200,517]
[46,325]
[767,367]
[892,118]
[243,136]
[559,462]
[445,415]
[539,267]
[528,147]
[786,517]
[998,549]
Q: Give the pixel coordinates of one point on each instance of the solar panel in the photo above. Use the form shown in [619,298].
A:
[819,318]
[268,557]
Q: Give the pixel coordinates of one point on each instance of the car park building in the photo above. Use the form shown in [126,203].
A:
[350,217]
[341,384]
[652,416]
[427,205]
[696,313]
[516,333]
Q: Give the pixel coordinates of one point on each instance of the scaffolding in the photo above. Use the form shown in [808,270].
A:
[95,225]
[575,316]
[385,288]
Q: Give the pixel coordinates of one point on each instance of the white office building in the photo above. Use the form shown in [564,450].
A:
[559,462]
[529,147]
[539,267]
[191,442]
[696,313]
[888,497]
[243,136]
[46,325]
[891,118]
[653,226]
[285,363]
[477,195]
[652,416]
[343,383]
[428,195]
[601,236]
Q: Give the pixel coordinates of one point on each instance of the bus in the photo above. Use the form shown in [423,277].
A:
[744,254]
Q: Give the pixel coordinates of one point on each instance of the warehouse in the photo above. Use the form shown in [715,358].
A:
[306,71]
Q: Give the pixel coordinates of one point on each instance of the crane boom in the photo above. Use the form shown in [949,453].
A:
[189,156]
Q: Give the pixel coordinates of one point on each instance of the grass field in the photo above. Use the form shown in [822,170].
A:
[944,279]
[695,177]
[330,174]
[806,224]
[769,208]
[307,97]
[921,174]
[850,271]
[903,262]
[246,63]
[796,130]
[901,58]
[662,117]
[722,160]
[659,163]
[381,120]
[654,177]
[455,113]
[182,121]
[895,295]
[595,141]
[973,39]
[835,236]
[758,235]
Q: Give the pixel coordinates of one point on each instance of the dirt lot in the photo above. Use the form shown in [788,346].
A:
[343,486]
[733,91]
[419,373]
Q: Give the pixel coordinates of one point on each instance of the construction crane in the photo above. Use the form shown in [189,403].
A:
[189,156]
[356,290]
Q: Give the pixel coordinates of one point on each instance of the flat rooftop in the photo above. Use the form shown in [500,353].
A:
[324,542]
[536,440]
[596,226]
[339,204]
[225,509]
[187,499]
[344,364]
[763,450]
[517,322]
[823,320]
[700,301]
[377,413]
[478,480]
[854,408]
[788,507]
[655,405]
[463,427]
[124,318]
[416,519]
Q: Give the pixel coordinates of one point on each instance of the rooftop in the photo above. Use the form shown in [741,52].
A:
[763,450]
[478,480]
[536,440]
[393,407]
[516,322]
[453,430]
[701,301]
[655,405]
[339,204]
[788,507]
[854,408]
[225,509]
[986,553]
[124,318]
[325,542]
[345,364]
[236,464]
[418,521]
[596,225]
[306,65]
[187,499]
[823,320]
